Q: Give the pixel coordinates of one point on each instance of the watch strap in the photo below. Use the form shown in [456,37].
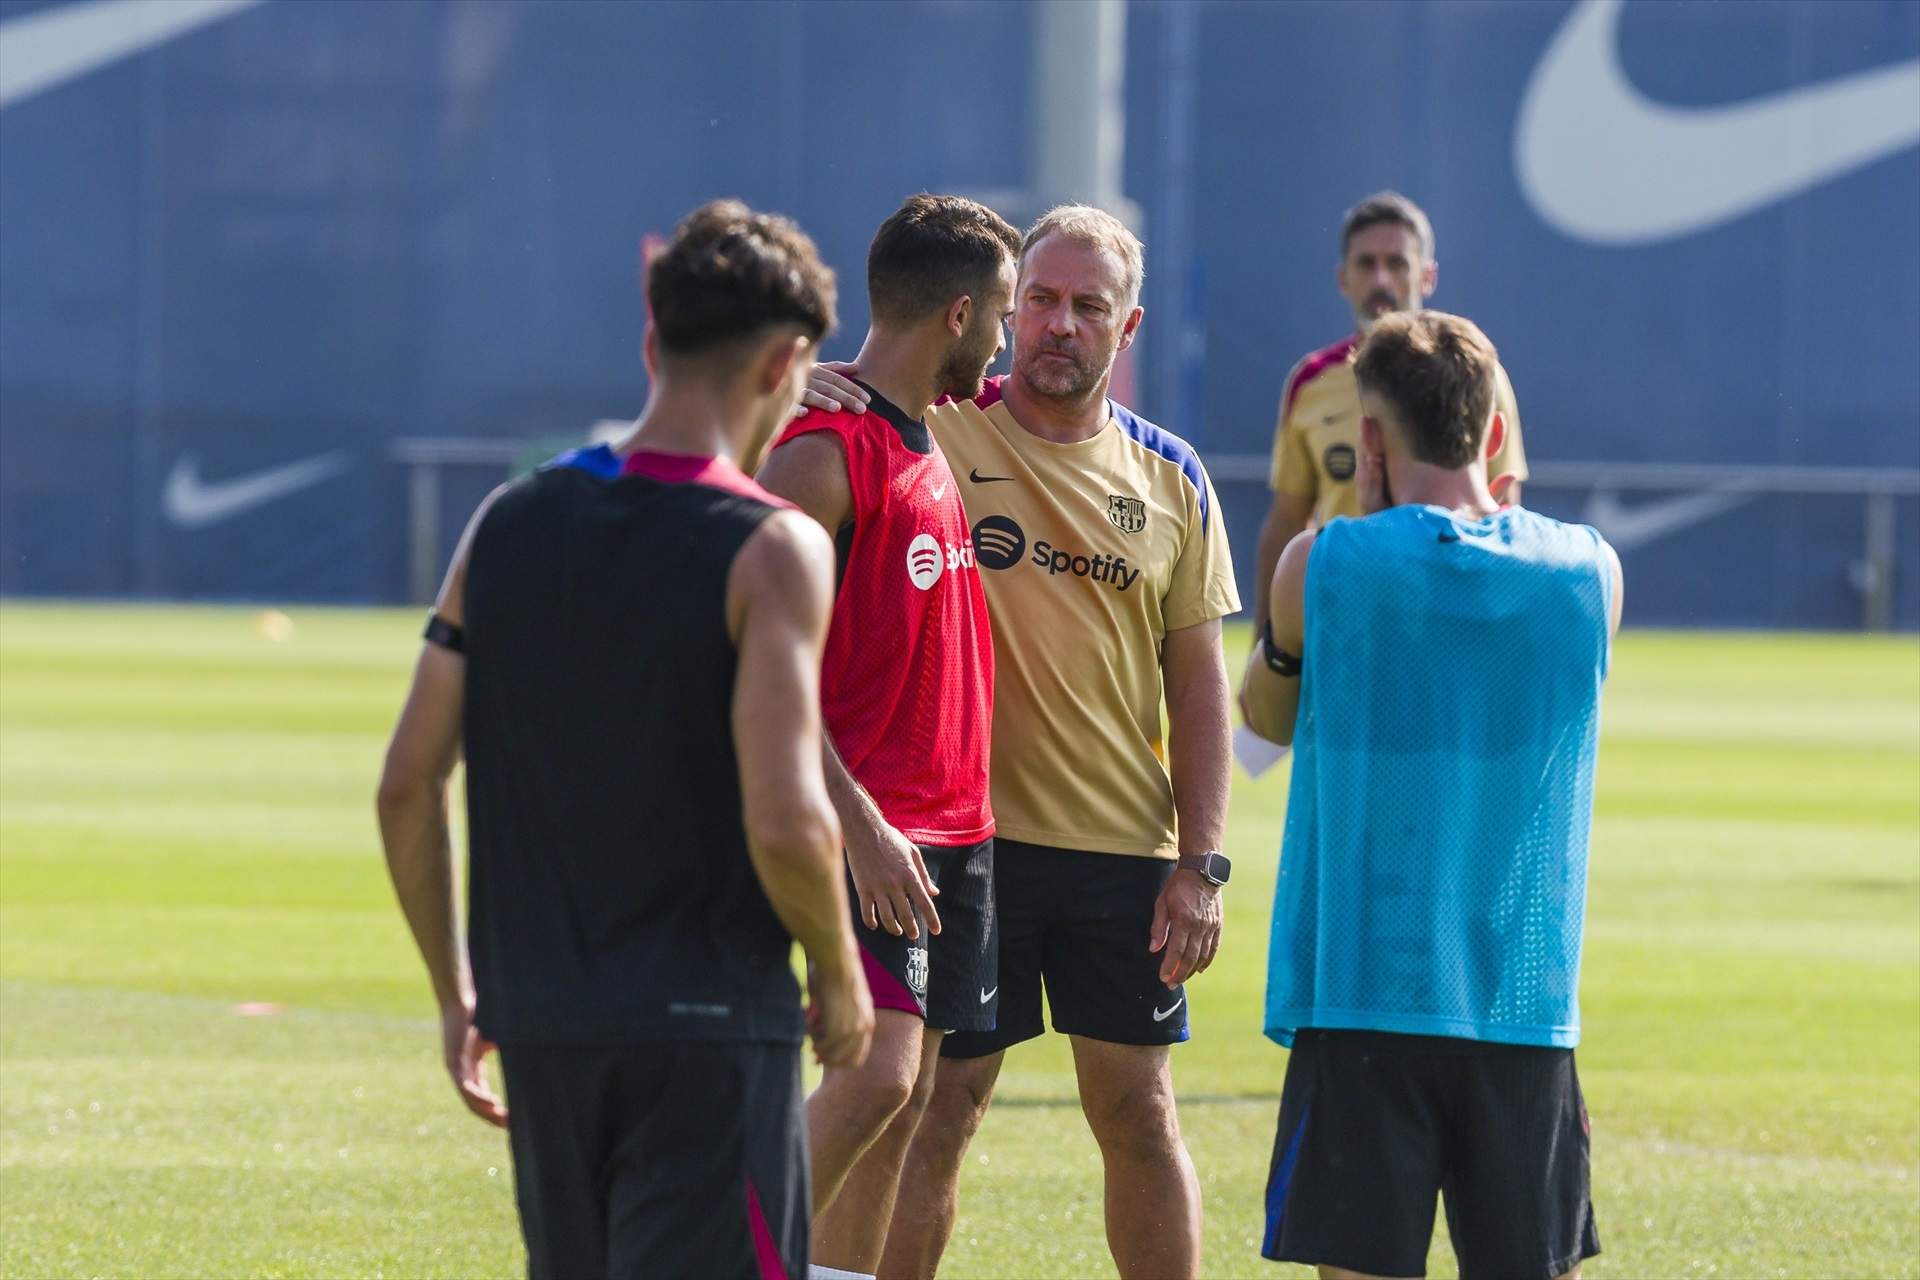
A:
[1205,864]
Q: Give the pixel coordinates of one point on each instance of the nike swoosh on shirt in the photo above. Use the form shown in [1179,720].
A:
[1630,527]
[939,492]
[1161,1015]
[41,51]
[1602,162]
[192,503]
[973,474]
[988,995]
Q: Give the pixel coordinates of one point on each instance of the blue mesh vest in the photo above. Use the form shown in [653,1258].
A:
[1433,878]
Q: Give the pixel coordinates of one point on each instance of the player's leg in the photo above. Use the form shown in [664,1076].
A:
[1021,902]
[928,1202]
[1518,1189]
[962,994]
[1357,1157]
[1104,989]
[559,1140]
[854,1105]
[849,1233]
[1152,1194]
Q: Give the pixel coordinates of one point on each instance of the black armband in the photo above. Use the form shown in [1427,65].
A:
[445,634]
[1278,660]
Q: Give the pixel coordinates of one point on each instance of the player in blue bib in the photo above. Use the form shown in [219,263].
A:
[1436,666]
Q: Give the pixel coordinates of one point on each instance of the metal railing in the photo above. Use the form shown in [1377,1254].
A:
[426,458]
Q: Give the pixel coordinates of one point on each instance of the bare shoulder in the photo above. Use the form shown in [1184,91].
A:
[1293,559]
[787,542]
[807,450]
[810,470]
[788,560]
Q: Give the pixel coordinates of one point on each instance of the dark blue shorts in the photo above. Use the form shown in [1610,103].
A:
[661,1158]
[1077,924]
[1374,1127]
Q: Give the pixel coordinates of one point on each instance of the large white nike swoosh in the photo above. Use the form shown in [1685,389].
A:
[46,49]
[1602,162]
[193,503]
[1630,527]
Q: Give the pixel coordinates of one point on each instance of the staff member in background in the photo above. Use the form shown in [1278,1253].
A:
[631,665]
[1386,265]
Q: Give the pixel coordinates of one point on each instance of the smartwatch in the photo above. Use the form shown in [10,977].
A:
[1214,867]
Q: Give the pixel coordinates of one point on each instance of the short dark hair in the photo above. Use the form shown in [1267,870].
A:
[931,250]
[1438,373]
[729,273]
[1387,206]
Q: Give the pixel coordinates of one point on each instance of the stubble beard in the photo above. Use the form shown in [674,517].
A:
[1055,380]
[963,374]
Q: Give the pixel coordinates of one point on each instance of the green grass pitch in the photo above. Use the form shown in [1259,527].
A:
[186,824]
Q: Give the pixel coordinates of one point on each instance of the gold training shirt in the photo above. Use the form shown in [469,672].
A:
[1090,553]
[1316,446]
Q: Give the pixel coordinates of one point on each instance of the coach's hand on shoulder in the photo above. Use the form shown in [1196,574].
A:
[839,1013]
[831,387]
[892,880]
[1186,926]
[465,1050]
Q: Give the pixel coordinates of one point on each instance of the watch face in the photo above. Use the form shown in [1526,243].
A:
[1219,867]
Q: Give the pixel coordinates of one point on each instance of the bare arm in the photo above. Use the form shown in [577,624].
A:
[1199,748]
[889,874]
[412,805]
[1270,700]
[1285,519]
[779,595]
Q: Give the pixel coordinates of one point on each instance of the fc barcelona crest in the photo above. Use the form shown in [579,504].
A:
[1128,514]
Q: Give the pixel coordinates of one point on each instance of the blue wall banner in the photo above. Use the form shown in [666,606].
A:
[248,244]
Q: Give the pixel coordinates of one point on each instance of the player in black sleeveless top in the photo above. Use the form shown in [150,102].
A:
[631,665]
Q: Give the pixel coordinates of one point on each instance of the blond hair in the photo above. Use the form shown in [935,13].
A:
[1097,229]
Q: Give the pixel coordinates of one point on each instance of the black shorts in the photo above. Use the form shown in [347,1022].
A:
[1080,923]
[669,1158]
[1373,1125]
[948,979]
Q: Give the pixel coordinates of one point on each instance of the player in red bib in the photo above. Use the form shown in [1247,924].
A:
[907,697]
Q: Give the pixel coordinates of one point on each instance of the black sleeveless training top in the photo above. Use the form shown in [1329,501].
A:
[611,898]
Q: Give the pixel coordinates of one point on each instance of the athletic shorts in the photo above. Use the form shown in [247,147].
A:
[1373,1126]
[1079,924]
[946,979]
[667,1158]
